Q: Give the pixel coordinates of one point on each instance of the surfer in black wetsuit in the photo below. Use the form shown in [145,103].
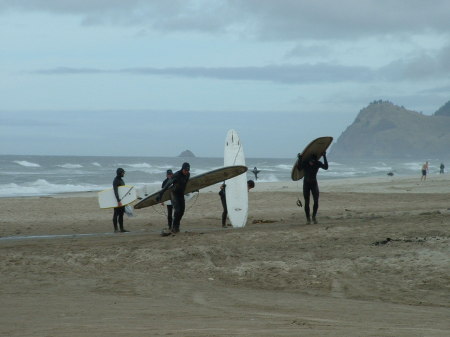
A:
[120,210]
[255,172]
[178,181]
[310,185]
[223,199]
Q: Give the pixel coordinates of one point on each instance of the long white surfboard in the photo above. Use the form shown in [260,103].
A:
[236,191]
[107,199]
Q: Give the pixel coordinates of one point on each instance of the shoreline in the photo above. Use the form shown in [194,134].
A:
[372,184]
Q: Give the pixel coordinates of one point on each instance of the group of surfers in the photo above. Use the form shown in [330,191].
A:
[177,182]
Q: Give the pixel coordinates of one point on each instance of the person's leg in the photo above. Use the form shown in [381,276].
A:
[178,206]
[182,209]
[315,194]
[176,218]
[115,220]
[169,216]
[224,213]
[306,192]
[120,213]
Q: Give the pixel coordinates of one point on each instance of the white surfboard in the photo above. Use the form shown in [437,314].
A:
[107,199]
[236,191]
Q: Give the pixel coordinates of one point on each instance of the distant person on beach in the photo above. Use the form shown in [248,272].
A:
[120,210]
[223,199]
[255,172]
[441,168]
[424,171]
[179,181]
[310,185]
[169,175]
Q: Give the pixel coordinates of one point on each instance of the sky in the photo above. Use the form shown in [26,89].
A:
[157,77]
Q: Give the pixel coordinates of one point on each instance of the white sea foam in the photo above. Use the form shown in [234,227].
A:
[26,163]
[155,170]
[18,177]
[381,168]
[285,167]
[70,166]
[268,179]
[138,166]
[43,187]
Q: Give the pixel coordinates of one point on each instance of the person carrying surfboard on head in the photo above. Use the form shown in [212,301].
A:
[169,175]
[310,185]
[120,210]
[179,182]
[223,199]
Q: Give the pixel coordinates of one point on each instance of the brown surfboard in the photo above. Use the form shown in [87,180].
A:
[196,183]
[316,147]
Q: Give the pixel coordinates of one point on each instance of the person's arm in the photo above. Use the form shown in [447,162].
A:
[166,186]
[116,191]
[325,161]
[299,161]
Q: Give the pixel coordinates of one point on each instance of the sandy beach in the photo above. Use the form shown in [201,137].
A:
[377,264]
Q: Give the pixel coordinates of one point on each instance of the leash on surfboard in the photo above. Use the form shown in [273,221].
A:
[299,202]
[193,202]
[163,209]
[128,192]
[163,212]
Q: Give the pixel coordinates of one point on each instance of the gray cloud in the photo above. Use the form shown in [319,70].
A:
[437,90]
[289,74]
[422,66]
[315,50]
[266,19]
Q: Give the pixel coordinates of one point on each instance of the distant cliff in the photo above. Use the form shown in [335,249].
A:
[186,154]
[384,130]
[443,110]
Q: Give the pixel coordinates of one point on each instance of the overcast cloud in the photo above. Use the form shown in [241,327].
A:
[314,63]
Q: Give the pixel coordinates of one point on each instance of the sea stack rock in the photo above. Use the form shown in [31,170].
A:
[187,154]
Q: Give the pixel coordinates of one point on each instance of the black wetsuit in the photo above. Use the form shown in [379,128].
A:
[118,211]
[255,172]
[178,181]
[223,199]
[169,208]
[310,185]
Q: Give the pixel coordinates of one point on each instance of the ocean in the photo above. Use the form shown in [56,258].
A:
[49,175]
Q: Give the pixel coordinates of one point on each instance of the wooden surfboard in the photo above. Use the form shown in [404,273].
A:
[196,183]
[317,147]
